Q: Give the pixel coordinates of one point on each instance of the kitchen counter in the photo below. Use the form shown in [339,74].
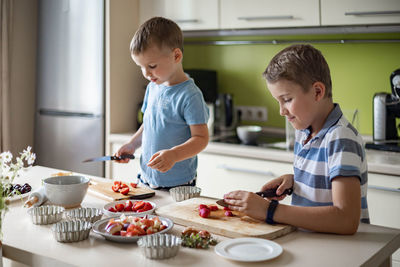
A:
[378,161]
[34,245]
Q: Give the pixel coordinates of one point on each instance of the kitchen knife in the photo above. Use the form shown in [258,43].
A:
[266,193]
[110,158]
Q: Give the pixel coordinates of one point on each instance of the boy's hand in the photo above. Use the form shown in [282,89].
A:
[249,203]
[162,160]
[128,148]
[281,183]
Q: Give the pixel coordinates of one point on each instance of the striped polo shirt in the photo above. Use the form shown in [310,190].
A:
[336,150]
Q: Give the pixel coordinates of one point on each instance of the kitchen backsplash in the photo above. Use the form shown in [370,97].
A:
[358,70]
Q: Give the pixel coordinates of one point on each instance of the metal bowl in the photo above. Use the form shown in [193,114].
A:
[181,193]
[161,246]
[71,231]
[46,214]
[87,214]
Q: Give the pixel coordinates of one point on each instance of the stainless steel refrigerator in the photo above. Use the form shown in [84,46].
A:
[69,123]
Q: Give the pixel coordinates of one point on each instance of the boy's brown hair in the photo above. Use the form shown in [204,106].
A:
[301,64]
[158,31]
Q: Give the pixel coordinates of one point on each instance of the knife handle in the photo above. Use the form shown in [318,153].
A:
[272,192]
[126,156]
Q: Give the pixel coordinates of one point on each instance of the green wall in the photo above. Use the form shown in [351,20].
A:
[358,70]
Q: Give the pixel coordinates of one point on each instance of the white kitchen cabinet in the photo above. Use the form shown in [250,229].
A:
[384,203]
[220,174]
[359,12]
[188,14]
[238,14]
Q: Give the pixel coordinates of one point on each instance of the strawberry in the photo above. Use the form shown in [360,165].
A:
[213,207]
[115,188]
[124,190]
[112,209]
[226,208]
[122,233]
[228,213]
[128,205]
[119,207]
[139,205]
[133,185]
[202,206]
[205,212]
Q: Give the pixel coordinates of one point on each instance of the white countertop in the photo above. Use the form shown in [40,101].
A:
[34,245]
[378,161]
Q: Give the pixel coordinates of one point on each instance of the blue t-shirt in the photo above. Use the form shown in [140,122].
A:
[336,150]
[168,113]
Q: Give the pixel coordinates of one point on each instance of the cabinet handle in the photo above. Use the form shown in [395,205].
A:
[187,21]
[371,13]
[265,18]
[384,188]
[229,168]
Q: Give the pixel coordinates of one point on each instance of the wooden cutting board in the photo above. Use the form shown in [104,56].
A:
[104,191]
[186,213]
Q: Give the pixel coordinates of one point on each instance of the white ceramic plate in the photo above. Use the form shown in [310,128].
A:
[127,213]
[248,249]
[99,228]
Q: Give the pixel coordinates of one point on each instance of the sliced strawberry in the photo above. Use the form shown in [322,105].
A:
[112,209]
[202,206]
[139,205]
[123,185]
[213,207]
[124,190]
[147,206]
[115,188]
[204,213]
[228,213]
[226,208]
[119,207]
[162,227]
[122,233]
[128,204]
[134,185]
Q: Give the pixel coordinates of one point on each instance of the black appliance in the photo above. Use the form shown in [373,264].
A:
[386,109]
[206,80]
[226,117]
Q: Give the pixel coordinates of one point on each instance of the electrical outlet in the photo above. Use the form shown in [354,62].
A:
[253,113]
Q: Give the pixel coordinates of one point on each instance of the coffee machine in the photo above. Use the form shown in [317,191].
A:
[386,110]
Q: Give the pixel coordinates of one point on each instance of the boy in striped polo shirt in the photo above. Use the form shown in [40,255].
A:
[330,169]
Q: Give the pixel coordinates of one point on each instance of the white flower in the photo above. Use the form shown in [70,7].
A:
[6,156]
[31,159]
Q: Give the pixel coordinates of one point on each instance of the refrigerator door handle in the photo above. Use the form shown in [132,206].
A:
[52,112]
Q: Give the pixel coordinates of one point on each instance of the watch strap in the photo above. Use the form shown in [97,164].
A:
[270,212]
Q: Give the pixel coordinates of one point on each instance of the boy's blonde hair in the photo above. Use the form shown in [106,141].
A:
[301,64]
[162,32]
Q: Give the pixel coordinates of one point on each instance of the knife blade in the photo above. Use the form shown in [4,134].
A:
[104,158]
[266,193]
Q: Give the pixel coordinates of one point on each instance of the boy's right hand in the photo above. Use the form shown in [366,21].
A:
[124,150]
[281,184]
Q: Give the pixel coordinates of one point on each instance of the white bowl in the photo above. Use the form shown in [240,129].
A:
[66,191]
[248,134]
[127,213]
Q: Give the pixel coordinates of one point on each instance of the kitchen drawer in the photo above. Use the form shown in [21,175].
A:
[219,174]
[361,12]
[237,14]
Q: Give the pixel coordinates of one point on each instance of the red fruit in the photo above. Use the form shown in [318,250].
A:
[202,206]
[122,233]
[228,213]
[128,204]
[204,213]
[124,190]
[133,185]
[123,185]
[213,207]
[138,205]
[226,208]
[119,207]
[117,183]
[112,209]
[147,206]
[162,227]
[115,188]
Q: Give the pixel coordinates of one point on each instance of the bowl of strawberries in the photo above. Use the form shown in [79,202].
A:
[129,207]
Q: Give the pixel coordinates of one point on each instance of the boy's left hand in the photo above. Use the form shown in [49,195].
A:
[162,160]
[249,203]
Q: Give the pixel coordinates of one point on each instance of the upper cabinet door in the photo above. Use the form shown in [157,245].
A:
[188,14]
[239,14]
[353,12]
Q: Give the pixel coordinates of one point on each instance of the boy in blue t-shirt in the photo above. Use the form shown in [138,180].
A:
[330,169]
[174,128]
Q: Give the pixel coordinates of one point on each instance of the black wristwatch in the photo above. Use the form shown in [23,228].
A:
[270,212]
